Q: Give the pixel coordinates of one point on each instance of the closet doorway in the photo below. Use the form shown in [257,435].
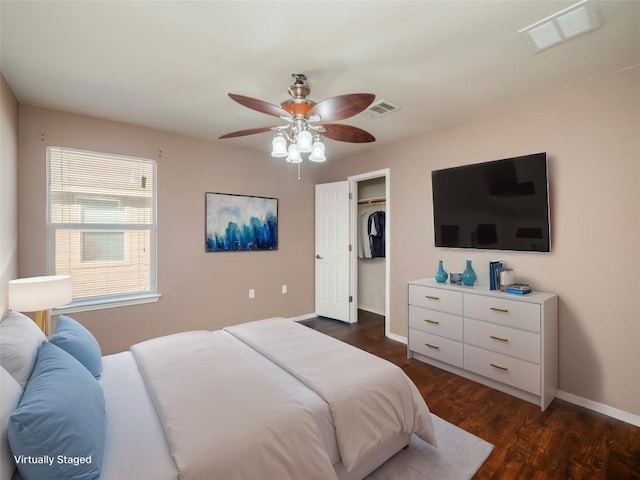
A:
[370,252]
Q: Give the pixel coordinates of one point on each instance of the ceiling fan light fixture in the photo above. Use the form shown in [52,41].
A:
[306,120]
[294,154]
[279,146]
[317,152]
[304,141]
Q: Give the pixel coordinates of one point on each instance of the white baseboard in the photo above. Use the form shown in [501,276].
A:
[306,316]
[392,336]
[387,333]
[371,310]
[600,408]
[396,337]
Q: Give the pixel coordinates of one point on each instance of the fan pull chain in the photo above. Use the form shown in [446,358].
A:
[298,172]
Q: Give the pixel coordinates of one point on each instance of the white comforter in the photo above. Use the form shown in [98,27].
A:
[372,400]
[222,417]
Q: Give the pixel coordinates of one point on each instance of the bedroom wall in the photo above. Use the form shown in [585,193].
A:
[8,189]
[591,133]
[199,290]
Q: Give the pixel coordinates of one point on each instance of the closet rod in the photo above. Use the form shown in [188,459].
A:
[370,201]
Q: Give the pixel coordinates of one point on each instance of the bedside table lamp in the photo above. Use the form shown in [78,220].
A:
[39,294]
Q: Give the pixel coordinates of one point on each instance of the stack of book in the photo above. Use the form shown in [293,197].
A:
[517,288]
[494,274]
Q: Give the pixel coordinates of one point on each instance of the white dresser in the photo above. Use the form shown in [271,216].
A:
[508,342]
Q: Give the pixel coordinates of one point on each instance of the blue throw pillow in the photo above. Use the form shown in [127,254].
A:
[58,430]
[75,339]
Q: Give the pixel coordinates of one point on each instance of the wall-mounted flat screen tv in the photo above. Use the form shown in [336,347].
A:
[499,205]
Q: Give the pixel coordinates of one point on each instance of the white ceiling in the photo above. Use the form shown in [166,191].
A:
[169,65]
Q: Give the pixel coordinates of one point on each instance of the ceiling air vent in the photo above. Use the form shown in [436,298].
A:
[562,26]
[381,108]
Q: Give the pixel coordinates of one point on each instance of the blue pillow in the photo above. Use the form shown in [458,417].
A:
[58,430]
[75,339]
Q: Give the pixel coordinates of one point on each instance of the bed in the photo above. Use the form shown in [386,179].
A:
[265,399]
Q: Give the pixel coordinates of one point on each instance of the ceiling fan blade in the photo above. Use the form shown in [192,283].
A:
[249,131]
[342,106]
[260,105]
[347,133]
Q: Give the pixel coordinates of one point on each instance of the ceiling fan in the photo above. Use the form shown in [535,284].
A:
[307,121]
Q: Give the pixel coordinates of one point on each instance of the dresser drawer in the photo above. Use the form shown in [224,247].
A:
[437,323]
[509,370]
[443,349]
[511,313]
[436,299]
[504,340]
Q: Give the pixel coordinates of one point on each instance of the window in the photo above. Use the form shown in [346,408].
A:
[102,226]
[102,247]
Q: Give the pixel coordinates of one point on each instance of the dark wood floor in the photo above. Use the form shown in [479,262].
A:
[564,442]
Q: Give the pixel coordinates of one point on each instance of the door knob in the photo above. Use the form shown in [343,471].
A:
[318,257]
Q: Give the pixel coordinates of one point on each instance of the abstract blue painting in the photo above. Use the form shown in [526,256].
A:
[238,223]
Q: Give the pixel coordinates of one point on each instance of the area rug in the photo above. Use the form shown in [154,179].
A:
[458,457]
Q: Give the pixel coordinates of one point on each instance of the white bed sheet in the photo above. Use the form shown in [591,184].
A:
[372,400]
[319,408]
[135,444]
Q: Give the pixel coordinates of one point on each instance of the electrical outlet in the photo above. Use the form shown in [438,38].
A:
[284,289]
[252,293]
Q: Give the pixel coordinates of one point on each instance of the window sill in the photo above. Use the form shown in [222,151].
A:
[88,305]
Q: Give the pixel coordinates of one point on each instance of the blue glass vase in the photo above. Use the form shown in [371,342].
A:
[441,275]
[468,276]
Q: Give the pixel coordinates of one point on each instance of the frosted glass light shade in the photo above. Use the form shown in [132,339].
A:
[317,153]
[304,141]
[294,154]
[32,294]
[279,146]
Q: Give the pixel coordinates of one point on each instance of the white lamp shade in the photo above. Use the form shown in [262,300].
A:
[317,154]
[33,294]
[279,145]
[294,154]
[305,139]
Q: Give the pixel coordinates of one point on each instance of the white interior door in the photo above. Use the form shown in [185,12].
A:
[332,250]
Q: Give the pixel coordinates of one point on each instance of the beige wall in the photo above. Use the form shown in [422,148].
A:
[199,290]
[8,189]
[591,134]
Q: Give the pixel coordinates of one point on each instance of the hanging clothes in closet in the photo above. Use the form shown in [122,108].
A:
[364,239]
[376,229]
[364,247]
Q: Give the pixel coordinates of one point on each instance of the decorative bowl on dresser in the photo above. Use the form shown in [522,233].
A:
[505,341]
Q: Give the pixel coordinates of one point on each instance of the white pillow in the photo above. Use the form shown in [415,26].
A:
[10,394]
[20,339]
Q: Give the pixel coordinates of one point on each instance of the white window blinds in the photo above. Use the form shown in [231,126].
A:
[102,223]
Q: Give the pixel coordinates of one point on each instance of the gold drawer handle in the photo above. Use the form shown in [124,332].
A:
[501,310]
[502,339]
[433,322]
[500,367]
[430,345]
[431,297]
